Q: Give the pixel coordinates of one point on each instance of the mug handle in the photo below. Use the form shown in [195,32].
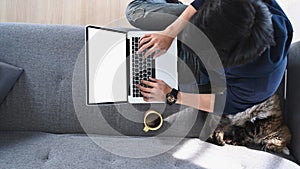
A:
[146,129]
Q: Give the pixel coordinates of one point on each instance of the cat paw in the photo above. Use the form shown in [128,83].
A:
[275,148]
[216,139]
[286,151]
[253,119]
[220,138]
[232,142]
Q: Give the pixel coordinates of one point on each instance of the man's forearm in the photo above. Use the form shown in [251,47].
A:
[178,25]
[204,102]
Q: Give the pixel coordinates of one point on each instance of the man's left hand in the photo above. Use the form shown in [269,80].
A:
[156,91]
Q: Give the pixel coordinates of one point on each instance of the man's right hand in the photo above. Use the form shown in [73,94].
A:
[161,41]
[157,42]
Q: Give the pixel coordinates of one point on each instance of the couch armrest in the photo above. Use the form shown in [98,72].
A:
[293,98]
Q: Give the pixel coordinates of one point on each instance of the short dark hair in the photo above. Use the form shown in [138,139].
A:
[240,30]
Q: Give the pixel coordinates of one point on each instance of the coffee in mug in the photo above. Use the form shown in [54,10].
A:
[152,120]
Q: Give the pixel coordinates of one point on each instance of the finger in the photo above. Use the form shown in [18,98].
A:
[144,41]
[154,80]
[160,52]
[145,36]
[151,84]
[148,37]
[146,99]
[148,95]
[144,89]
[145,46]
[150,51]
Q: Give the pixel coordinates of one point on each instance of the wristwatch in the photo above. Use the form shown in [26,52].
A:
[171,97]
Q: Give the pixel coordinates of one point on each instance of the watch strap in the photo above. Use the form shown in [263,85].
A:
[174,92]
[172,96]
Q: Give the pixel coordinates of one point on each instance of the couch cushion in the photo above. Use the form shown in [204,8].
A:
[42,100]
[41,150]
[9,75]
[293,95]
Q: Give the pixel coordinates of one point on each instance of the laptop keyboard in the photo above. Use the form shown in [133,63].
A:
[142,68]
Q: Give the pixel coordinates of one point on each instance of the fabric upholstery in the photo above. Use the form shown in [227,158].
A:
[9,75]
[293,95]
[27,150]
[43,94]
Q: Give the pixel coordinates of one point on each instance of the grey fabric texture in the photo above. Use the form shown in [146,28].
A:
[9,75]
[27,150]
[293,95]
[42,99]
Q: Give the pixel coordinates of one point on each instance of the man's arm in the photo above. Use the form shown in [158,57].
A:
[159,89]
[178,25]
[160,42]
[204,102]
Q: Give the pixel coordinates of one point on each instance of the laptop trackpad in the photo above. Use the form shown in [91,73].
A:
[166,66]
[167,78]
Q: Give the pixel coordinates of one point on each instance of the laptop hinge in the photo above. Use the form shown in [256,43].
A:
[128,65]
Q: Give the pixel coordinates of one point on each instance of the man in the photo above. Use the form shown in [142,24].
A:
[252,38]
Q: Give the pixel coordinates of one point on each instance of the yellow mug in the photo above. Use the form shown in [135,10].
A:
[152,120]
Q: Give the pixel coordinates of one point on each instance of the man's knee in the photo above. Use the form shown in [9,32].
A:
[152,16]
[134,13]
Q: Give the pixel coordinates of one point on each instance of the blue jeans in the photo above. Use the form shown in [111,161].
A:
[153,14]
[157,15]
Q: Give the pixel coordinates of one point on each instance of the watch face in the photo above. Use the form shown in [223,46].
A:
[171,99]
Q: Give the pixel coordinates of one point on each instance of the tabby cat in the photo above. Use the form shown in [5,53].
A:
[261,124]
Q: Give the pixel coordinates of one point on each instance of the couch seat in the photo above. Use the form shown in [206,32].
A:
[27,150]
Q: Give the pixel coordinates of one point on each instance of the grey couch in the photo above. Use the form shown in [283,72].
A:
[45,123]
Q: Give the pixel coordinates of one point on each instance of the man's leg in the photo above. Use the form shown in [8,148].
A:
[153,14]
[192,74]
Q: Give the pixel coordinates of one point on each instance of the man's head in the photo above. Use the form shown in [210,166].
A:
[240,30]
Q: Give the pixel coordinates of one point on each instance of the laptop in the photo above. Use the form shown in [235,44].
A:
[113,68]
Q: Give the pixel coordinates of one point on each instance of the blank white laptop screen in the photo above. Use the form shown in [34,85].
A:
[106,69]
